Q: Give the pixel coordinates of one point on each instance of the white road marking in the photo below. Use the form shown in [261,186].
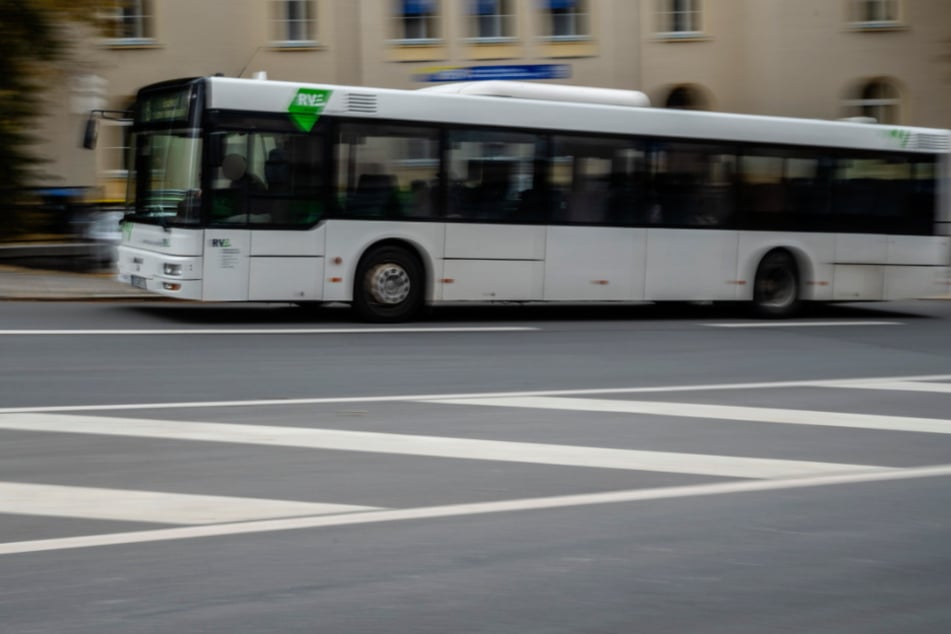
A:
[906,386]
[719,412]
[394,398]
[430,446]
[152,506]
[803,324]
[262,331]
[462,510]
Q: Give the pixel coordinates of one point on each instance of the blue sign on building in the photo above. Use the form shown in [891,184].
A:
[520,72]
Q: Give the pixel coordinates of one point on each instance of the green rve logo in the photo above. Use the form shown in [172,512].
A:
[306,107]
[902,136]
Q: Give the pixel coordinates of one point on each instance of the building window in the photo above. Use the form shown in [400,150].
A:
[417,20]
[492,19]
[294,22]
[878,99]
[567,19]
[129,21]
[874,14]
[115,138]
[679,17]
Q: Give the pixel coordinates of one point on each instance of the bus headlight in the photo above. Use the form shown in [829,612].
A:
[171,269]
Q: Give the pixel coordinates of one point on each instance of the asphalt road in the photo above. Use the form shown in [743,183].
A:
[201,468]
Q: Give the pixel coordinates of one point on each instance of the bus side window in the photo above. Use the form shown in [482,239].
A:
[374,197]
[381,168]
[692,185]
[497,176]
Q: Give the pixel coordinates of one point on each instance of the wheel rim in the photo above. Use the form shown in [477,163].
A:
[388,284]
[777,288]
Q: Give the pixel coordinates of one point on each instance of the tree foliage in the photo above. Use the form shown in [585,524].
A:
[35,36]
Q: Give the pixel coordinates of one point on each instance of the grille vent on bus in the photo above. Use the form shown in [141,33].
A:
[357,102]
[934,142]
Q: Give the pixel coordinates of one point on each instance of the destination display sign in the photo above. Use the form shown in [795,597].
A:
[167,106]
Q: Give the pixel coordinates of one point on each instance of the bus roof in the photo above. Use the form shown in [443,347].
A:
[565,114]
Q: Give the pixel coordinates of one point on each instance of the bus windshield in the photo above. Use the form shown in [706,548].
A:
[164,183]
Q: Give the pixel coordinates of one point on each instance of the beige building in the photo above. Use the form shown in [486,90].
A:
[888,59]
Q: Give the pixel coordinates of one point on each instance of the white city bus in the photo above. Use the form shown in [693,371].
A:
[266,191]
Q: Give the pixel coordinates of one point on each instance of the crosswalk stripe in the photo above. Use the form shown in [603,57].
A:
[902,386]
[152,506]
[405,398]
[718,412]
[802,324]
[463,510]
[430,446]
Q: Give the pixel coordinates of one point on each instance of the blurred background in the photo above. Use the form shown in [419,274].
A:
[889,60]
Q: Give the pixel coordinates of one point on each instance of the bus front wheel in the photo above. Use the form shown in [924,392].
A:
[389,285]
[776,286]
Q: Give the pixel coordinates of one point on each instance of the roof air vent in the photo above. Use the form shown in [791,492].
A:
[357,102]
[932,142]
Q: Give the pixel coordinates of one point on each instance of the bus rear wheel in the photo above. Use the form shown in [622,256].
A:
[388,285]
[776,286]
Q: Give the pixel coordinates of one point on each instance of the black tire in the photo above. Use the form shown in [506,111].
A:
[776,286]
[388,285]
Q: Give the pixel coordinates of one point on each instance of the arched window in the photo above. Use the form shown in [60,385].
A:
[686,97]
[878,99]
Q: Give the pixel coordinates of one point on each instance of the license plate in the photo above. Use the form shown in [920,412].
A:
[138,281]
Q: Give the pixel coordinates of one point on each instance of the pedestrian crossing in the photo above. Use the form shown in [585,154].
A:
[152,506]
[429,446]
[720,412]
[168,515]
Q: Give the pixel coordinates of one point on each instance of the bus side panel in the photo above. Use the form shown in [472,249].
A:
[494,262]
[288,243]
[860,248]
[919,250]
[858,282]
[226,266]
[918,266]
[595,263]
[493,280]
[814,253]
[495,242]
[859,267]
[286,265]
[348,240]
[916,282]
[275,279]
[691,264]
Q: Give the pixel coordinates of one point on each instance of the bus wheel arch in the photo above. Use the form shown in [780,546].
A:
[390,282]
[777,284]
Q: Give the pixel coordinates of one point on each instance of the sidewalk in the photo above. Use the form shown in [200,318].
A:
[19,283]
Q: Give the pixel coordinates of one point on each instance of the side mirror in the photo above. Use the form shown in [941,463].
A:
[91,133]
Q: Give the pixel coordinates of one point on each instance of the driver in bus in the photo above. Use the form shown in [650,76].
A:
[234,207]
[235,168]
